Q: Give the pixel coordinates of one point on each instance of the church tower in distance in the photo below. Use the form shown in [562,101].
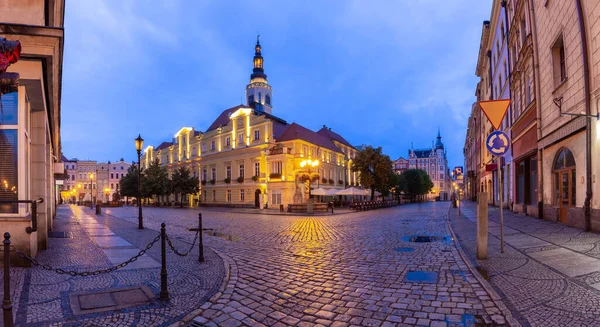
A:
[258,92]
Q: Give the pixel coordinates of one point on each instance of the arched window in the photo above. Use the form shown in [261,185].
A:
[268,99]
[259,97]
[565,181]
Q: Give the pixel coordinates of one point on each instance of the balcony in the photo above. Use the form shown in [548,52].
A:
[276,151]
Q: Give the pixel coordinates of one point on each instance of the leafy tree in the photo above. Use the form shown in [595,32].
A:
[155,181]
[129,183]
[414,182]
[375,169]
[184,183]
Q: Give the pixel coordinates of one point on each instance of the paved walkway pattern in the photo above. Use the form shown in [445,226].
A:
[356,269]
[45,298]
[548,275]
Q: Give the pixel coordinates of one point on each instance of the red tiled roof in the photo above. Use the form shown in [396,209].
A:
[164,145]
[297,132]
[223,118]
[333,136]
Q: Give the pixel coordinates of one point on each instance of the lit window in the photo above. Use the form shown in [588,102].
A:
[257,169]
[227,141]
[242,170]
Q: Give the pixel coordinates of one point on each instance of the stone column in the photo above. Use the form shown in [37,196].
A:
[39,174]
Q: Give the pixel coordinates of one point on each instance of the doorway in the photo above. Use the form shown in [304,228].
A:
[257,198]
[565,184]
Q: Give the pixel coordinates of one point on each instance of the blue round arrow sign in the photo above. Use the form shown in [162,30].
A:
[497,143]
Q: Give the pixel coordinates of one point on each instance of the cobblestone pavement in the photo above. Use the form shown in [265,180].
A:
[356,269]
[43,298]
[549,273]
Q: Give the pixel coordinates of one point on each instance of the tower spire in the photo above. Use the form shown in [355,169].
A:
[258,92]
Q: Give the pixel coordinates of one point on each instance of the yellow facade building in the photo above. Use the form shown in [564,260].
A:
[250,157]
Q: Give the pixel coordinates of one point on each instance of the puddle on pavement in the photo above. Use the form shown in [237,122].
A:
[420,276]
[483,272]
[427,239]
[473,320]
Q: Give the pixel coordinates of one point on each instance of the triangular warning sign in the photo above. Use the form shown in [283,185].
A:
[495,110]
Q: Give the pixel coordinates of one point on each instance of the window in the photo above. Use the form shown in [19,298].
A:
[193,151]
[240,139]
[257,169]
[214,173]
[214,196]
[229,172]
[276,197]
[114,168]
[304,151]
[204,175]
[250,99]
[268,99]
[203,147]
[121,167]
[313,152]
[259,97]
[228,195]
[242,195]
[227,141]
[441,184]
[276,167]
[73,177]
[256,135]
[558,61]
[112,186]
[112,176]
[213,145]
[242,170]
[9,164]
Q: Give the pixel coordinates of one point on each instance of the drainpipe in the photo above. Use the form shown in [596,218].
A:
[588,123]
[538,109]
[509,120]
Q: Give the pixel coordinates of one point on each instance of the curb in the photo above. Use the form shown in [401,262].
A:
[227,286]
[484,283]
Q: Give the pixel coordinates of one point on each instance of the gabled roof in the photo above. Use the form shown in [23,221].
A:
[223,118]
[164,145]
[421,153]
[326,132]
[297,132]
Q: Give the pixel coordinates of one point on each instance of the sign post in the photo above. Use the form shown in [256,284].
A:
[497,143]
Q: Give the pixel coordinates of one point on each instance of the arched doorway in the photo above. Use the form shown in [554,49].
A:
[257,198]
[564,182]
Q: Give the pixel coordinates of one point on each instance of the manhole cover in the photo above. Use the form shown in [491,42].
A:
[54,234]
[419,276]
[427,239]
[109,300]
[404,250]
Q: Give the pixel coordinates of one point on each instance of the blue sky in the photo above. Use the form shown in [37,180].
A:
[384,73]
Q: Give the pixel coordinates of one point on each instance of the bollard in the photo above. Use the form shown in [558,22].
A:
[7,304]
[98,209]
[164,293]
[482,226]
[200,242]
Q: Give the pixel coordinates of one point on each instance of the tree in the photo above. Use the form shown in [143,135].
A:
[155,181]
[375,169]
[415,182]
[129,183]
[183,183]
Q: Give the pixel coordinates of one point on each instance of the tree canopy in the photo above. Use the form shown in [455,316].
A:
[155,181]
[129,183]
[183,183]
[375,169]
[414,182]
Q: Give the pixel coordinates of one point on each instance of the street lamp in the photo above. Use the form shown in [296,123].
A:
[458,198]
[309,164]
[139,143]
[91,195]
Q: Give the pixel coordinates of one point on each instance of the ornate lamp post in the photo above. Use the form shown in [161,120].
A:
[309,164]
[139,143]
[91,194]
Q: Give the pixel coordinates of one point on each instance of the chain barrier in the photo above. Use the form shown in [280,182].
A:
[60,271]
[188,251]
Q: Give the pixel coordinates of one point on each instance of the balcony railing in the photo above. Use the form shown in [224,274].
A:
[276,151]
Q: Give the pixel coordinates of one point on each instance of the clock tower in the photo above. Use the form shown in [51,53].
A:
[258,92]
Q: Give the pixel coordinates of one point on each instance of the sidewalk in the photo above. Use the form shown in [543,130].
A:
[549,274]
[83,241]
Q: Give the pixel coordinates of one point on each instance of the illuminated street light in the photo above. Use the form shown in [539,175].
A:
[91,195]
[139,143]
[309,165]
[107,193]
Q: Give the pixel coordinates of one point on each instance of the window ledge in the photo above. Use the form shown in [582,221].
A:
[560,85]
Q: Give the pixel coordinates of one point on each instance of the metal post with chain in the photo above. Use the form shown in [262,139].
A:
[200,241]
[164,293]
[6,303]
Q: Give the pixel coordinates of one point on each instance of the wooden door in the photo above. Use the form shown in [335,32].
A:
[565,195]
